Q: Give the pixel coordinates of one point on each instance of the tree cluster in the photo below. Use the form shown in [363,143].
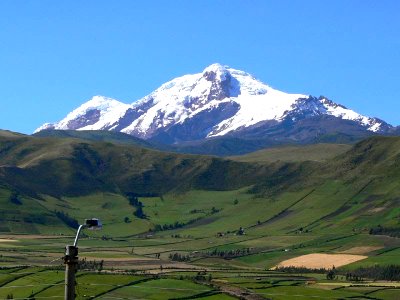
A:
[202,276]
[380,230]
[378,272]
[164,227]
[228,253]
[179,257]
[15,198]
[175,225]
[134,201]
[140,213]
[70,221]
[94,265]
[300,270]
[331,274]
[215,210]
[353,277]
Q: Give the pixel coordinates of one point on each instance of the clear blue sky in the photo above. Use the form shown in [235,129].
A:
[55,55]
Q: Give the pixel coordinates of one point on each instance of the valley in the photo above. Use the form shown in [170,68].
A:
[187,226]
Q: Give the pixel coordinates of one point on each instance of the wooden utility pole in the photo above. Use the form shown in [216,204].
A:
[71,258]
[71,264]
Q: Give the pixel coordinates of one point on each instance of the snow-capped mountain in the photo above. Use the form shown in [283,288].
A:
[96,114]
[219,101]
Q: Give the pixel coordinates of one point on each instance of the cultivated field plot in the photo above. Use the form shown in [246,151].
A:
[319,261]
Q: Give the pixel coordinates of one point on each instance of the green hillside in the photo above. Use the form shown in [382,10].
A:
[64,166]
[8,134]
[161,208]
[315,152]
[96,135]
[51,173]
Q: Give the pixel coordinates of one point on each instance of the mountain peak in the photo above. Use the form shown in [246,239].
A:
[100,99]
[97,113]
[216,72]
[217,67]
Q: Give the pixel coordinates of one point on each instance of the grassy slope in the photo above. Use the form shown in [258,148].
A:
[8,134]
[316,152]
[96,135]
[75,167]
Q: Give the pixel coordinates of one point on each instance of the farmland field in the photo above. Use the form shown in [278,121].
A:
[212,260]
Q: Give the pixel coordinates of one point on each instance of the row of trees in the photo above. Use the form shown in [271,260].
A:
[179,257]
[380,230]
[134,201]
[227,253]
[213,210]
[70,221]
[300,270]
[84,264]
[164,227]
[175,225]
[15,198]
[213,253]
[377,272]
